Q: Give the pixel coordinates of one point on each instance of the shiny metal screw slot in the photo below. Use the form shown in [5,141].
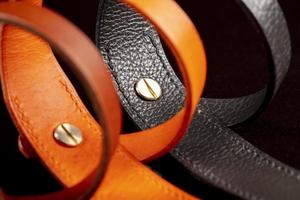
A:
[68,135]
[148,89]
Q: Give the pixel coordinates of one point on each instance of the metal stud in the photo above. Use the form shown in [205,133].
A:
[68,135]
[148,89]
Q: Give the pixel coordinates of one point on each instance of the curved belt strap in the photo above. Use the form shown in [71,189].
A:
[134,51]
[270,17]
[250,173]
[126,177]
[28,113]
[162,138]
[186,46]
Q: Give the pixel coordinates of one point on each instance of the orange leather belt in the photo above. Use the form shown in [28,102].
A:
[40,97]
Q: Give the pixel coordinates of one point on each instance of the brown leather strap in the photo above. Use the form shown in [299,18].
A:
[89,68]
[126,177]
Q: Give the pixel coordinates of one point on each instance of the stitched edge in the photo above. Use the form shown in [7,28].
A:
[122,92]
[272,164]
[29,129]
[215,179]
[79,106]
[160,55]
[26,122]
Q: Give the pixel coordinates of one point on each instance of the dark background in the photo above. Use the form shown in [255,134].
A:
[237,65]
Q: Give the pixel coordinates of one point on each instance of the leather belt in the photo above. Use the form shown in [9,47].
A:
[210,150]
[124,172]
[30,81]
[208,135]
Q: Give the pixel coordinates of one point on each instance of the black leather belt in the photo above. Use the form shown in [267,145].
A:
[210,150]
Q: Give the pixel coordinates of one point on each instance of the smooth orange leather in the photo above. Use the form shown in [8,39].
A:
[28,78]
[126,178]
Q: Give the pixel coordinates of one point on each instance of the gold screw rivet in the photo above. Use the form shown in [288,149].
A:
[148,89]
[68,135]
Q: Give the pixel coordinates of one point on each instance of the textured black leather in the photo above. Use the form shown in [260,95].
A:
[218,155]
[210,150]
[132,49]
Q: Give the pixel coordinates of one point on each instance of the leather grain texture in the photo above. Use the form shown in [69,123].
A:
[28,66]
[126,176]
[221,157]
[259,176]
[22,81]
[132,49]
[211,151]
[187,47]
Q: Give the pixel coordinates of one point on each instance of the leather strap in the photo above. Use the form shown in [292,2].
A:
[209,144]
[124,46]
[124,168]
[86,64]
[145,114]
[250,173]
[190,57]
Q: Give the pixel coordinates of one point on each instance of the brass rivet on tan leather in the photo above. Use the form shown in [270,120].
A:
[123,167]
[148,89]
[68,135]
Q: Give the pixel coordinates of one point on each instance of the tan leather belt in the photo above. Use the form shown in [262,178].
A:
[40,97]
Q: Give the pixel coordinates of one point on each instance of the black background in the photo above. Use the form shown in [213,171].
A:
[237,65]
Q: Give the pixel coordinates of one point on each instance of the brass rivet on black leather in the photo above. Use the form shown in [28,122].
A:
[68,135]
[148,89]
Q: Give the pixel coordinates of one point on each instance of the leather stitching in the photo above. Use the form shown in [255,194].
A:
[246,149]
[29,129]
[26,122]
[272,164]
[168,74]
[282,65]
[79,106]
[149,44]
[211,176]
[269,32]
[122,92]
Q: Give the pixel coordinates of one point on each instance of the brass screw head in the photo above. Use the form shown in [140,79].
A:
[148,89]
[68,135]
